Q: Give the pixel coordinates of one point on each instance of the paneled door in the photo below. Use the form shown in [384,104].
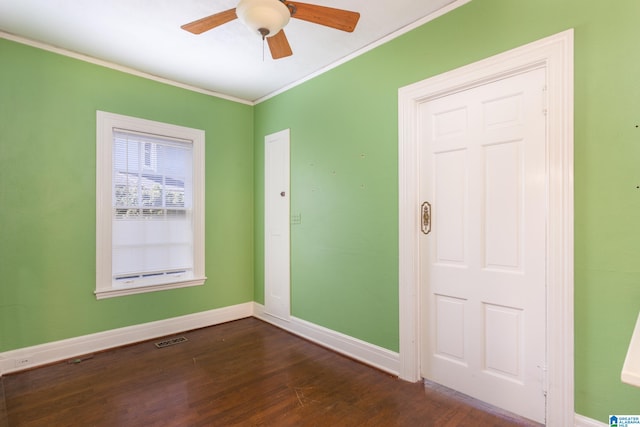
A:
[277,252]
[483,262]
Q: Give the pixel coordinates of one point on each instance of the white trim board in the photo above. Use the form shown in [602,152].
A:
[555,55]
[57,351]
[582,421]
[364,352]
[121,68]
[370,354]
[446,9]
[631,368]
[453,5]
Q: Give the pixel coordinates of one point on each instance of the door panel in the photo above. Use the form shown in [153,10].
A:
[483,267]
[450,328]
[450,191]
[503,206]
[277,233]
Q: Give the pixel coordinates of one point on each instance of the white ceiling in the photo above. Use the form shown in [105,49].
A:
[145,35]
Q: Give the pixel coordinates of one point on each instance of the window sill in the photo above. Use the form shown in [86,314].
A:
[118,292]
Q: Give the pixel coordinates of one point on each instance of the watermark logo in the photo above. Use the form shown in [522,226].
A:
[624,420]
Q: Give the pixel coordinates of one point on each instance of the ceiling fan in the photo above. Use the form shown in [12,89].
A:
[269,17]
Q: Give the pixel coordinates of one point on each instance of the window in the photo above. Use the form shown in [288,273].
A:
[149,206]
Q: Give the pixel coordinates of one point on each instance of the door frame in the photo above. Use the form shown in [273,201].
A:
[555,54]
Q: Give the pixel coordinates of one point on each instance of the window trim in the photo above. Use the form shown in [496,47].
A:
[105,124]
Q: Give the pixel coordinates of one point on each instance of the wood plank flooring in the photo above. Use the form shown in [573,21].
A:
[242,373]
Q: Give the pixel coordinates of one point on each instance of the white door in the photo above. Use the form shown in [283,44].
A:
[276,225]
[482,169]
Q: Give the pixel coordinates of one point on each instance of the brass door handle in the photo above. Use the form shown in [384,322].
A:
[425,217]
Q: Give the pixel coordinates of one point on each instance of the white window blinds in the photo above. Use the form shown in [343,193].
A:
[152,204]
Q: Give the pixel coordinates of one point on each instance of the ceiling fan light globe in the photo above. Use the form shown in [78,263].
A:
[263,16]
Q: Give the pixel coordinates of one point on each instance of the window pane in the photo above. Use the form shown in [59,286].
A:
[151,187]
[152,228]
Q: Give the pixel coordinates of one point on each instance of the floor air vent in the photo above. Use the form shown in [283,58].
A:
[172,341]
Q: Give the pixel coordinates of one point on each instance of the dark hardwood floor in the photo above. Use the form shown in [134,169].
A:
[242,373]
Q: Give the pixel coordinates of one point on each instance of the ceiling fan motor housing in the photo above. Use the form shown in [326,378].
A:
[266,17]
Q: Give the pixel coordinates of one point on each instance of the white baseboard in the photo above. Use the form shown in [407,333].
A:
[11,361]
[582,421]
[365,352]
[372,355]
[56,351]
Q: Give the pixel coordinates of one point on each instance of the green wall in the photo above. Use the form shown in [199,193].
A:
[344,140]
[48,109]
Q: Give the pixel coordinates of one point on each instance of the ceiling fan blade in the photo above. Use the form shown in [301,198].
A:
[340,19]
[279,45]
[209,22]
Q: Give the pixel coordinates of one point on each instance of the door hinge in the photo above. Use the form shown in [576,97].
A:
[545,100]
[544,379]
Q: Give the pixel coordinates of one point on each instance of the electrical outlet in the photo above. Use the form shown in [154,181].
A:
[23,361]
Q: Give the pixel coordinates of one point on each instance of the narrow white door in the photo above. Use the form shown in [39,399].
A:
[276,225]
[483,266]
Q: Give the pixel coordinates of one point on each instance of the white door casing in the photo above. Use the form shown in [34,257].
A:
[482,168]
[277,251]
[555,55]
